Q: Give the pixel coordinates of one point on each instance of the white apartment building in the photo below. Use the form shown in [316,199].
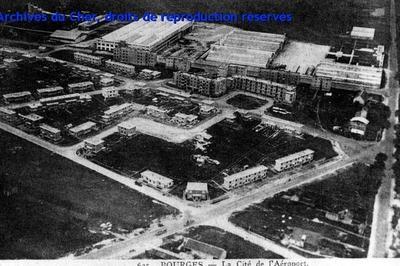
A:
[126,129]
[294,160]
[244,177]
[116,111]
[82,129]
[93,145]
[157,180]
[80,86]
[106,82]
[184,119]
[109,92]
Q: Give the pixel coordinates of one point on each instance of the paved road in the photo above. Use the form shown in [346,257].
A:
[381,227]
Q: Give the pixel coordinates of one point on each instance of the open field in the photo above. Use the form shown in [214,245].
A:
[246,102]
[334,214]
[235,246]
[233,146]
[50,203]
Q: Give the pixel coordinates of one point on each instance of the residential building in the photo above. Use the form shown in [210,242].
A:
[81,86]
[109,92]
[82,129]
[89,59]
[116,112]
[358,125]
[22,96]
[196,191]
[120,68]
[156,112]
[106,82]
[203,250]
[31,120]
[286,125]
[50,133]
[134,56]
[244,177]
[157,180]
[207,109]
[200,84]
[93,145]
[8,115]
[49,92]
[184,119]
[62,100]
[281,92]
[148,74]
[294,160]
[126,129]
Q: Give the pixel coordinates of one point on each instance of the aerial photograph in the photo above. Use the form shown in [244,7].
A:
[199,130]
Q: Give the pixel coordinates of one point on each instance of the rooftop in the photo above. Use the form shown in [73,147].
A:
[94,141]
[17,94]
[52,89]
[146,35]
[127,125]
[197,186]
[82,127]
[117,108]
[204,248]
[80,84]
[362,32]
[71,35]
[59,98]
[50,129]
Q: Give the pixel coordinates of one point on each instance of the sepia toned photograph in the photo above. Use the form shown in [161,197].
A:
[199,132]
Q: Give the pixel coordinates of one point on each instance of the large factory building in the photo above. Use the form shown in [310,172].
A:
[138,42]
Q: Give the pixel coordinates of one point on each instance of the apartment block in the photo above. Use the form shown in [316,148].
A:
[157,180]
[200,84]
[294,160]
[49,132]
[88,59]
[120,68]
[244,177]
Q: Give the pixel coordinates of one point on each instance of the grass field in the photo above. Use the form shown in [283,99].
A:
[49,203]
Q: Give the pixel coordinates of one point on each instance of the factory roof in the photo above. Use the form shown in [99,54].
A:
[70,35]
[49,129]
[294,156]
[363,33]
[246,172]
[82,127]
[371,76]
[239,56]
[146,35]
[197,186]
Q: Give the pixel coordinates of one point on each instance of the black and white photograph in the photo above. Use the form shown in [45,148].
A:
[199,132]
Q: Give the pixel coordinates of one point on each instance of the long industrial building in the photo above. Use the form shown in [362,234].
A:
[139,42]
[344,76]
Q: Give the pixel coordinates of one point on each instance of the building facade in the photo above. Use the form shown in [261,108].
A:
[116,112]
[120,68]
[49,92]
[157,112]
[51,133]
[196,191]
[8,115]
[280,92]
[80,87]
[88,59]
[294,160]
[22,96]
[82,129]
[244,177]
[109,92]
[93,145]
[200,84]
[157,180]
[126,129]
